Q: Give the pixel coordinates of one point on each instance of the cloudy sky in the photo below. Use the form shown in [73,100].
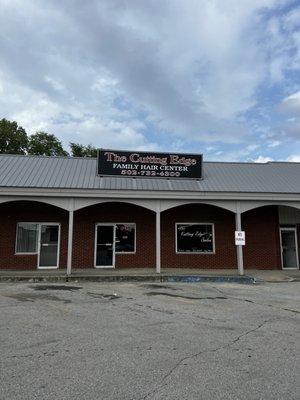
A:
[217,77]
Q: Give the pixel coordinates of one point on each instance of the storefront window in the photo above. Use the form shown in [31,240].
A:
[194,238]
[125,238]
[27,234]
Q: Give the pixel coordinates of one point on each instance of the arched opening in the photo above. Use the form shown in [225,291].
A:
[198,235]
[114,234]
[32,235]
[83,203]
[61,203]
[140,237]
[272,237]
[224,205]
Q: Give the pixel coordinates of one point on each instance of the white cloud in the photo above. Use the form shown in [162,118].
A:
[291,103]
[55,83]
[75,122]
[108,72]
[263,159]
[294,158]
[274,143]
[292,19]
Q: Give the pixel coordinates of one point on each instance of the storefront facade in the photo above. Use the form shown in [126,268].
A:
[58,213]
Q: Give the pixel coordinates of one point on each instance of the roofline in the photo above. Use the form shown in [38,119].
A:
[42,156]
[146,194]
[204,161]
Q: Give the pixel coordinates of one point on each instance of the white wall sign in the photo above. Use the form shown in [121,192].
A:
[240,238]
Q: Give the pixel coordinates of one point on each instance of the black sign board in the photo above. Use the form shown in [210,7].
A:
[140,164]
[194,238]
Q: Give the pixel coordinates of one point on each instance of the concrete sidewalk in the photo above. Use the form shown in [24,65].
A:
[147,274]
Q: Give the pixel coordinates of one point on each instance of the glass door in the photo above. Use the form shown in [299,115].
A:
[105,246]
[49,246]
[289,248]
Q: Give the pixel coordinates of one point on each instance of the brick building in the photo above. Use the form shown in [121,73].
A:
[57,212]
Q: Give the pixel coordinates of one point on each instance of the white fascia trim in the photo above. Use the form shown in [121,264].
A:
[153,195]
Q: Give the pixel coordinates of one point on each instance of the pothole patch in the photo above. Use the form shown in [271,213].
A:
[23,297]
[55,287]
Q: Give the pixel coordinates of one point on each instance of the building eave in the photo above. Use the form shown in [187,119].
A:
[151,194]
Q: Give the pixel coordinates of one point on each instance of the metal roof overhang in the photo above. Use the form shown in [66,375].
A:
[144,194]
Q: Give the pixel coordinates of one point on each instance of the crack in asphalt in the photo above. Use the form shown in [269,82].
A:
[186,297]
[195,355]
[255,302]
[287,309]
[157,286]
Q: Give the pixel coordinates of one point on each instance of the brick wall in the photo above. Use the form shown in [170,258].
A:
[262,250]
[84,234]
[22,211]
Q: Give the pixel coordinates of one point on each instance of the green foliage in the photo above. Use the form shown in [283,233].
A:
[45,144]
[79,150]
[13,138]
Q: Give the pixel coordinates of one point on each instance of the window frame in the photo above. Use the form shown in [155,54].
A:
[115,225]
[39,225]
[196,252]
[58,245]
[22,253]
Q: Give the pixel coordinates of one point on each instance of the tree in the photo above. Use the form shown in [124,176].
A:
[45,144]
[13,138]
[79,150]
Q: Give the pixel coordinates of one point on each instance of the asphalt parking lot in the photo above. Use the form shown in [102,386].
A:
[149,341]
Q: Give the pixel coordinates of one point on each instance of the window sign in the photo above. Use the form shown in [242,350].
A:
[125,238]
[149,165]
[194,238]
[27,235]
[240,238]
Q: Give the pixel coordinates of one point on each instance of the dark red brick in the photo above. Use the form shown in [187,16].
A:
[262,248]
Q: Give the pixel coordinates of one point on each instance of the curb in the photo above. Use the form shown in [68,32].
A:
[135,278]
[221,279]
[31,279]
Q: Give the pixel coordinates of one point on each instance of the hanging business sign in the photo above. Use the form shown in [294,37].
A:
[149,165]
